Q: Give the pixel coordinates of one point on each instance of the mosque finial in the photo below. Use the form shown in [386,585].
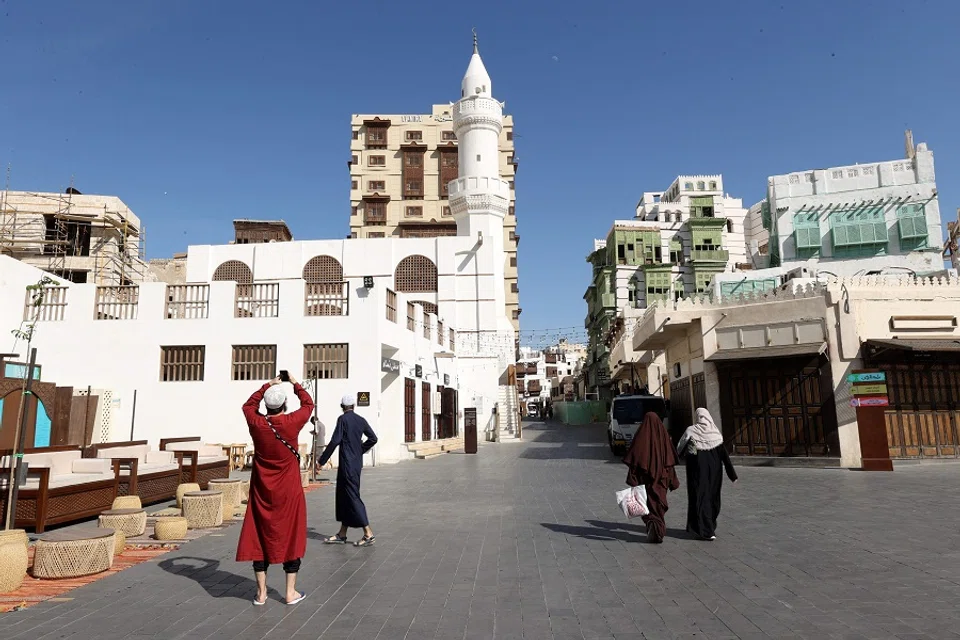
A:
[475,50]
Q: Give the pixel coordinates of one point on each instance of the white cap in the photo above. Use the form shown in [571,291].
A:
[274,397]
[348,400]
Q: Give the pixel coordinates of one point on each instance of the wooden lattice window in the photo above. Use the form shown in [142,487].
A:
[235,271]
[427,327]
[391,305]
[187,301]
[411,322]
[453,340]
[416,274]
[326,299]
[48,305]
[258,300]
[117,303]
[323,269]
[254,361]
[182,363]
[441,337]
[326,361]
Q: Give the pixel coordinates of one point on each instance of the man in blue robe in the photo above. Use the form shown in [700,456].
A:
[349,436]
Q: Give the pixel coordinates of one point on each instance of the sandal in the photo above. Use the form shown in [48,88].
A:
[299,598]
[335,539]
[365,541]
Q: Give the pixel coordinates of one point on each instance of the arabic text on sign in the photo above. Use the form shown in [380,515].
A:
[872,376]
[870,402]
[869,389]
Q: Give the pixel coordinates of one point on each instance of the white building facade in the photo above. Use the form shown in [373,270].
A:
[395,319]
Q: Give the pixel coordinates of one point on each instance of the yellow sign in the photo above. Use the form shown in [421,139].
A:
[363,398]
[869,389]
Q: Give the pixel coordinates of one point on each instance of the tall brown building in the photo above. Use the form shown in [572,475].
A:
[400,166]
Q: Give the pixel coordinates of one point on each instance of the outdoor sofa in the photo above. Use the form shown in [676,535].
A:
[199,462]
[152,475]
[61,486]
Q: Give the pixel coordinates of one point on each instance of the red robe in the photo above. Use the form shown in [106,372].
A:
[275,526]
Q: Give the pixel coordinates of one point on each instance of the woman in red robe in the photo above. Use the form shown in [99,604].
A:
[275,526]
[651,461]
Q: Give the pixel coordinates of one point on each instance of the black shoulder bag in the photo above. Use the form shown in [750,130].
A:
[285,443]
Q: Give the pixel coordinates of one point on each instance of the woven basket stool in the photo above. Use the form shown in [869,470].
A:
[203,509]
[305,479]
[132,522]
[74,553]
[170,529]
[127,502]
[13,564]
[186,487]
[244,491]
[119,542]
[232,491]
[14,535]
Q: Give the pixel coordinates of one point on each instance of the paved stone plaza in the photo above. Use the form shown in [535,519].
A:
[524,540]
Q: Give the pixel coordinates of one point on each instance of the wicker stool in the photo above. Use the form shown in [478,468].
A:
[305,479]
[13,563]
[203,509]
[244,491]
[119,542]
[127,502]
[14,535]
[74,553]
[132,522]
[187,487]
[170,529]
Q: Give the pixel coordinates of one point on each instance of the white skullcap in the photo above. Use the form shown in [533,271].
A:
[348,400]
[274,397]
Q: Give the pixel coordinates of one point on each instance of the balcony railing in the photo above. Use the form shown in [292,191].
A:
[326,299]
[187,302]
[258,300]
[709,255]
[369,217]
[117,303]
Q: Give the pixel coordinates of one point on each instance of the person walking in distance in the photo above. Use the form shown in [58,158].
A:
[651,460]
[275,525]
[349,435]
[706,458]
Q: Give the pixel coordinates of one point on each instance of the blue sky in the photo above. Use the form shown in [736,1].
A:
[196,113]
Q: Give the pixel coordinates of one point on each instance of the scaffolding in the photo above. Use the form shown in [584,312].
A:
[56,233]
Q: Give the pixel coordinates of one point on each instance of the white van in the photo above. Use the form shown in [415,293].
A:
[626,415]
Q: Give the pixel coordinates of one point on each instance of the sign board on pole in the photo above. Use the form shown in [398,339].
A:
[867,376]
[870,401]
[869,389]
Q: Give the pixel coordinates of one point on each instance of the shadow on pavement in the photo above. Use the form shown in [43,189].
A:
[216,582]
[596,533]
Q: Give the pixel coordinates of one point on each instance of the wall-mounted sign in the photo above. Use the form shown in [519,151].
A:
[446,379]
[867,376]
[869,389]
[363,398]
[870,401]
[418,371]
[389,365]
[411,118]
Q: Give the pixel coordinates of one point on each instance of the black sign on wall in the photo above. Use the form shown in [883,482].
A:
[389,365]
[363,398]
[418,371]
[446,379]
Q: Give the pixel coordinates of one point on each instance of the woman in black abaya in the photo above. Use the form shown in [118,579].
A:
[706,458]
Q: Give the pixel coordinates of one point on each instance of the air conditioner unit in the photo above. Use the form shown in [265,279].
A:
[799,272]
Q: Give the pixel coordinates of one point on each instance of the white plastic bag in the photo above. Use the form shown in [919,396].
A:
[633,502]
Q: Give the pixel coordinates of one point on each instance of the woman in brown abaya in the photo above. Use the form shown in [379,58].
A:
[651,460]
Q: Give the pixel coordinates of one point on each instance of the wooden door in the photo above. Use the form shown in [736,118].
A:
[426,412]
[448,415]
[681,413]
[10,417]
[780,407]
[923,420]
[409,410]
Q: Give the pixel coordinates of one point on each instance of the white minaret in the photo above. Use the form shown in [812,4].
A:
[479,199]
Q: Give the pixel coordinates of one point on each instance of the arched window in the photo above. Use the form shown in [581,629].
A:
[323,269]
[235,271]
[415,274]
[428,307]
